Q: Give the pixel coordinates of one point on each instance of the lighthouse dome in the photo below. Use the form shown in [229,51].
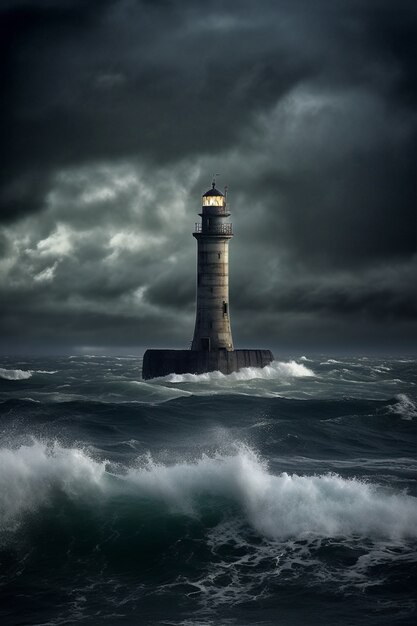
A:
[213,192]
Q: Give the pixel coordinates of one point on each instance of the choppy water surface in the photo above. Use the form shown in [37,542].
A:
[280,496]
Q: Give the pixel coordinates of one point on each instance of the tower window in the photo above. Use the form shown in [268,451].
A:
[219,254]
[224,308]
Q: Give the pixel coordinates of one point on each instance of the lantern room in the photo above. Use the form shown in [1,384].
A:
[213,197]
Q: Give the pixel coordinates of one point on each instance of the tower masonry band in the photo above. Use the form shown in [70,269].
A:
[212,346]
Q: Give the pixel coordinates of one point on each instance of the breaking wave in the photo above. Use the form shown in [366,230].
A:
[404,407]
[22,374]
[14,374]
[277,370]
[275,506]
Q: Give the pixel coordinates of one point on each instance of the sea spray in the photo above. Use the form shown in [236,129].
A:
[282,506]
[404,407]
[31,474]
[277,370]
[14,374]
[313,520]
[277,506]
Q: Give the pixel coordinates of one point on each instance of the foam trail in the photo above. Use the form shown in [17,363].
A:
[276,370]
[14,374]
[277,506]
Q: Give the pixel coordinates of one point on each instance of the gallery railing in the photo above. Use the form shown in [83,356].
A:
[214,229]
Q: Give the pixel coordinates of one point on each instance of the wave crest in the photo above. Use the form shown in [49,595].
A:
[30,475]
[276,506]
[276,370]
[14,374]
[404,407]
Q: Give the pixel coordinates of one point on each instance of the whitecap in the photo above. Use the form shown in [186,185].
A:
[284,505]
[15,374]
[29,474]
[332,361]
[276,370]
[276,506]
[404,407]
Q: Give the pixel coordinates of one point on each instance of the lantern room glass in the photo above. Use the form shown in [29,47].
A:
[213,200]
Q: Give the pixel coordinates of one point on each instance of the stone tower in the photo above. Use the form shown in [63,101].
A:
[212,346]
[212,325]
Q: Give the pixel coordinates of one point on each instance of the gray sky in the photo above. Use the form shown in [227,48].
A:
[116,113]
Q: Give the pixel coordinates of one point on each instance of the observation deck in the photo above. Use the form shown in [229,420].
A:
[213,229]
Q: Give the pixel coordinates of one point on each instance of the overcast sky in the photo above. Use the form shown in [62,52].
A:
[114,116]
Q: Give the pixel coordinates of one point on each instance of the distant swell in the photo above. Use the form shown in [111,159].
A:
[276,506]
[277,370]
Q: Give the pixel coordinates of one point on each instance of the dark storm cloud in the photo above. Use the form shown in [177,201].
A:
[31,35]
[364,207]
[98,80]
[86,81]
[115,113]
[387,293]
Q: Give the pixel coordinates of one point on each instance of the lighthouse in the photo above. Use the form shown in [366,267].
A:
[212,324]
[212,346]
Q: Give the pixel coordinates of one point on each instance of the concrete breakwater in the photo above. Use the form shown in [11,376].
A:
[158,363]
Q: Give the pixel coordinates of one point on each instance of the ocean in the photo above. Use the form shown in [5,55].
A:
[276,497]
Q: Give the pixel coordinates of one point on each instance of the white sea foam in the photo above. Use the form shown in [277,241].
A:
[29,475]
[277,370]
[15,374]
[332,361]
[22,374]
[276,506]
[284,505]
[404,407]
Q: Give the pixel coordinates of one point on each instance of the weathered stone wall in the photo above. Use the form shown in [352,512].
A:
[212,310]
[158,363]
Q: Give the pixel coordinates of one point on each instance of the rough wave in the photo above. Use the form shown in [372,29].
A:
[275,506]
[277,370]
[14,374]
[30,475]
[404,407]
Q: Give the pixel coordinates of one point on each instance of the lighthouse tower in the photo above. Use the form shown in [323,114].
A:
[212,346]
[212,325]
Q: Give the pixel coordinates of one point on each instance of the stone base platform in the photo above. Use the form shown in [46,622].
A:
[163,362]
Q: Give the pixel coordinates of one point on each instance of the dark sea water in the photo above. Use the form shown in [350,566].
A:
[282,496]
